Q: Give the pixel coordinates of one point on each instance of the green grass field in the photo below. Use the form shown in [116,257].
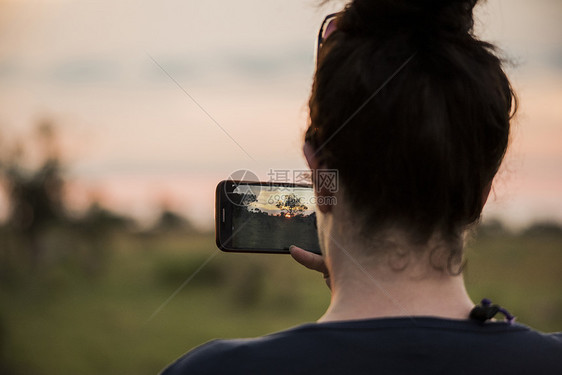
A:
[57,320]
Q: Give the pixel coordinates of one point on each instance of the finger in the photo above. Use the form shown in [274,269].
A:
[309,260]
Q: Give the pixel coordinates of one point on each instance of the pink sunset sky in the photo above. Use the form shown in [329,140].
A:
[135,140]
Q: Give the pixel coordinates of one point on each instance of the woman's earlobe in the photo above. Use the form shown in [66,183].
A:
[325,200]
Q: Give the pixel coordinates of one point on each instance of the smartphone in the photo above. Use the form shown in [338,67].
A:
[265,217]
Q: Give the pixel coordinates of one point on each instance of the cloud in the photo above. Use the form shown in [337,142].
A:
[85,71]
[247,64]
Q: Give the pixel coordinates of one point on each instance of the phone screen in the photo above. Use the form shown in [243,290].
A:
[267,217]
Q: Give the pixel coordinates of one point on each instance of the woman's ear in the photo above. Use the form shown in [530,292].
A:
[325,198]
[310,155]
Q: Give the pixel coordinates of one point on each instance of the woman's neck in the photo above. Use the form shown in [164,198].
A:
[371,298]
[370,287]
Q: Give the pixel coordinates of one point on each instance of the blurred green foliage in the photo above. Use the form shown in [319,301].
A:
[60,320]
[92,294]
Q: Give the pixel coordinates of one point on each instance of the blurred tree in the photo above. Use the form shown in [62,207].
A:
[544,228]
[491,228]
[100,219]
[92,233]
[34,193]
[38,226]
[170,220]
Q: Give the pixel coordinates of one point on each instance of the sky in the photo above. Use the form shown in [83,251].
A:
[157,101]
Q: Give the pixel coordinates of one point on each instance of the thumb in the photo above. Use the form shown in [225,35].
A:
[309,260]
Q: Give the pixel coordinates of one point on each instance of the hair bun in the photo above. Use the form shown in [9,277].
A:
[427,16]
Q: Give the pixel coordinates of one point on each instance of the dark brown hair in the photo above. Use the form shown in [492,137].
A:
[420,153]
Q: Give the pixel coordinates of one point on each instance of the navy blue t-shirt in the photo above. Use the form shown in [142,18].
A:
[420,345]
